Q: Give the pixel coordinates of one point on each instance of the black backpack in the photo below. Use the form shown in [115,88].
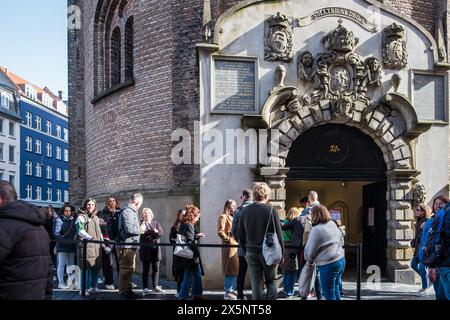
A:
[433,250]
[114,229]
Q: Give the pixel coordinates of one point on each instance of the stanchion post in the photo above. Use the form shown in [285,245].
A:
[83,271]
[359,271]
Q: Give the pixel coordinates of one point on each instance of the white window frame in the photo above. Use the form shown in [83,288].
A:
[66,195]
[66,175]
[38,170]
[29,144]
[29,190]
[13,154]
[49,172]
[29,168]
[49,150]
[14,129]
[38,123]
[38,193]
[58,195]
[49,194]
[29,118]
[2,151]
[49,127]
[58,131]
[38,146]
[66,155]
[58,153]
[66,134]
[58,174]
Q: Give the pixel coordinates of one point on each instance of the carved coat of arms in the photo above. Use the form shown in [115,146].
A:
[278,42]
[395,54]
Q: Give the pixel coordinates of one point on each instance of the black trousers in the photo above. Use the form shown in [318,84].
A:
[107,267]
[241,277]
[178,271]
[145,273]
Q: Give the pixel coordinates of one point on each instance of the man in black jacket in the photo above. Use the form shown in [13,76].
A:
[26,270]
[256,218]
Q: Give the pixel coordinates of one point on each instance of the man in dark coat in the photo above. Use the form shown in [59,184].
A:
[26,270]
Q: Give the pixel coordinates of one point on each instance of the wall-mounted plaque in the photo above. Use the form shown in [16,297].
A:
[429,92]
[234,88]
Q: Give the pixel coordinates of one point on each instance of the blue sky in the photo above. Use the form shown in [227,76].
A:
[34,41]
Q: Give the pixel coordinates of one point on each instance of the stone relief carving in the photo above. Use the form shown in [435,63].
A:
[395,54]
[420,194]
[279,39]
[339,75]
[340,81]
[307,69]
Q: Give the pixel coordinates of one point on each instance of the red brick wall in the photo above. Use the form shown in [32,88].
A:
[423,11]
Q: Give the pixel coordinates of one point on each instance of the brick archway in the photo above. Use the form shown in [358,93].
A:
[392,125]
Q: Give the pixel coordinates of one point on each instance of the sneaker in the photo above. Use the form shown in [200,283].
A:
[229,296]
[158,289]
[63,286]
[422,292]
[242,298]
[134,285]
[110,287]
[145,292]
[177,295]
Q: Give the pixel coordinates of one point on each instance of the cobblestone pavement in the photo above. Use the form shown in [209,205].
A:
[385,291]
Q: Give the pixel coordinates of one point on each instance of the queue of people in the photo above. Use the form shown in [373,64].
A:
[308,235]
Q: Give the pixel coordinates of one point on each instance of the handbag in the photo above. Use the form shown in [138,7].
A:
[307,279]
[181,249]
[271,246]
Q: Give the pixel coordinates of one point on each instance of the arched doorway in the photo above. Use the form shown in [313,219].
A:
[348,171]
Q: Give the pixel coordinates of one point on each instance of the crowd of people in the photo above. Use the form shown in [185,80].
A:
[29,261]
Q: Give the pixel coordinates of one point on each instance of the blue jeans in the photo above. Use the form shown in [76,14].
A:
[442,286]
[229,283]
[419,267]
[197,287]
[330,279]
[91,277]
[289,279]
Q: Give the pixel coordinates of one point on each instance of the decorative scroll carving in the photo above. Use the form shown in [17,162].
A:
[278,42]
[420,195]
[395,54]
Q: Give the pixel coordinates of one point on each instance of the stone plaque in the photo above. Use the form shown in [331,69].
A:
[429,96]
[234,89]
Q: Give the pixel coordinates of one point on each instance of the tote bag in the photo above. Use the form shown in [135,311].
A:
[271,246]
[307,278]
[181,249]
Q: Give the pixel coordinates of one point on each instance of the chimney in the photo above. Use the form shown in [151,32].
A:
[60,94]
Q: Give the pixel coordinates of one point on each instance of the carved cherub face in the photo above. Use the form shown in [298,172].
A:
[307,59]
[374,64]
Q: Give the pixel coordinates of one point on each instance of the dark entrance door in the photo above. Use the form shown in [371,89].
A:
[374,229]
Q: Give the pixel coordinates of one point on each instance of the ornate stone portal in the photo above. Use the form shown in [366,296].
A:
[278,42]
[340,80]
[395,54]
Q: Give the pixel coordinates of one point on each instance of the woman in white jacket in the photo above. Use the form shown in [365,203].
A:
[325,249]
